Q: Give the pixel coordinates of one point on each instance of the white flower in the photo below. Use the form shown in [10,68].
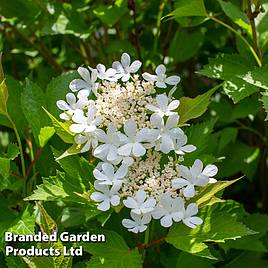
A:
[169,209]
[108,176]
[167,133]
[194,177]
[71,105]
[138,224]
[106,196]
[86,123]
[89,140]
[104,74]
[88,83]
[164,107]
[124,68]
[141,203]
[181,147]
[133,139]
[111,140]
[188,219]
[161,78]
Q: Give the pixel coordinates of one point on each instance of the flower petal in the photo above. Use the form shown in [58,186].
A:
[125,77]
[210,170]
[160,84]
[77,128]
[130,128]
[62,105]
[188,148]
[125,150]
[115,200]
[174,105]
[84,73]
[121,172]
[108,170]
[128,223]
[140,196]
[166,144]
[191,210]
[130,203]
[162,101]
[138,150]
[160,69]
[189,191]
[197,167]
[135,66]
[149,77]
[173,80]
[166,221]
[100,176]
[125,60]
[104,206]
[172,121]
[78,84]
[71,99]
[179,183]
[97,197]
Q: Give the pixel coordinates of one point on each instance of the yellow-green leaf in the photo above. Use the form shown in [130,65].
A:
[194,107]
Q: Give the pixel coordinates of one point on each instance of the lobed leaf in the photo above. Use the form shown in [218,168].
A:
[220,224]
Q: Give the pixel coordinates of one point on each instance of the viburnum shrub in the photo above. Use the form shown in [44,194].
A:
[125,121]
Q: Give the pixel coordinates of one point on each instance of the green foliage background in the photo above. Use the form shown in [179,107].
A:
[220,50]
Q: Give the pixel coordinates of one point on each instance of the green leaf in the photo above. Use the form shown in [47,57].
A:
[62,129]
[198,135]
[78,168]
[208,192]
[57,89]
[227,135]
[247,259]
[45,135]
[14,109]
[232,69]
[182,51]
[4,167]
[186,260]
[3,98]
[2,76]
[73,150]
[220,224]
[264,100]
[194,107]
[256,77]
[261,26]
[3,90]
[186,8]
[65,187]
[12,151]
[25,223]
[236,15]
[32,100]
[114,253]
[237,89]
[258,222]
[239,157]
[112,13]
[13,261]
[47,224]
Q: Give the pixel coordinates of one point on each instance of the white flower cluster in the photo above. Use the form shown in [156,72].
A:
[134,132]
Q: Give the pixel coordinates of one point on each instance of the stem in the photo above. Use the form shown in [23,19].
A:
[19,143]
[242,38]
[146,240]
[253,28]
[158,23]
